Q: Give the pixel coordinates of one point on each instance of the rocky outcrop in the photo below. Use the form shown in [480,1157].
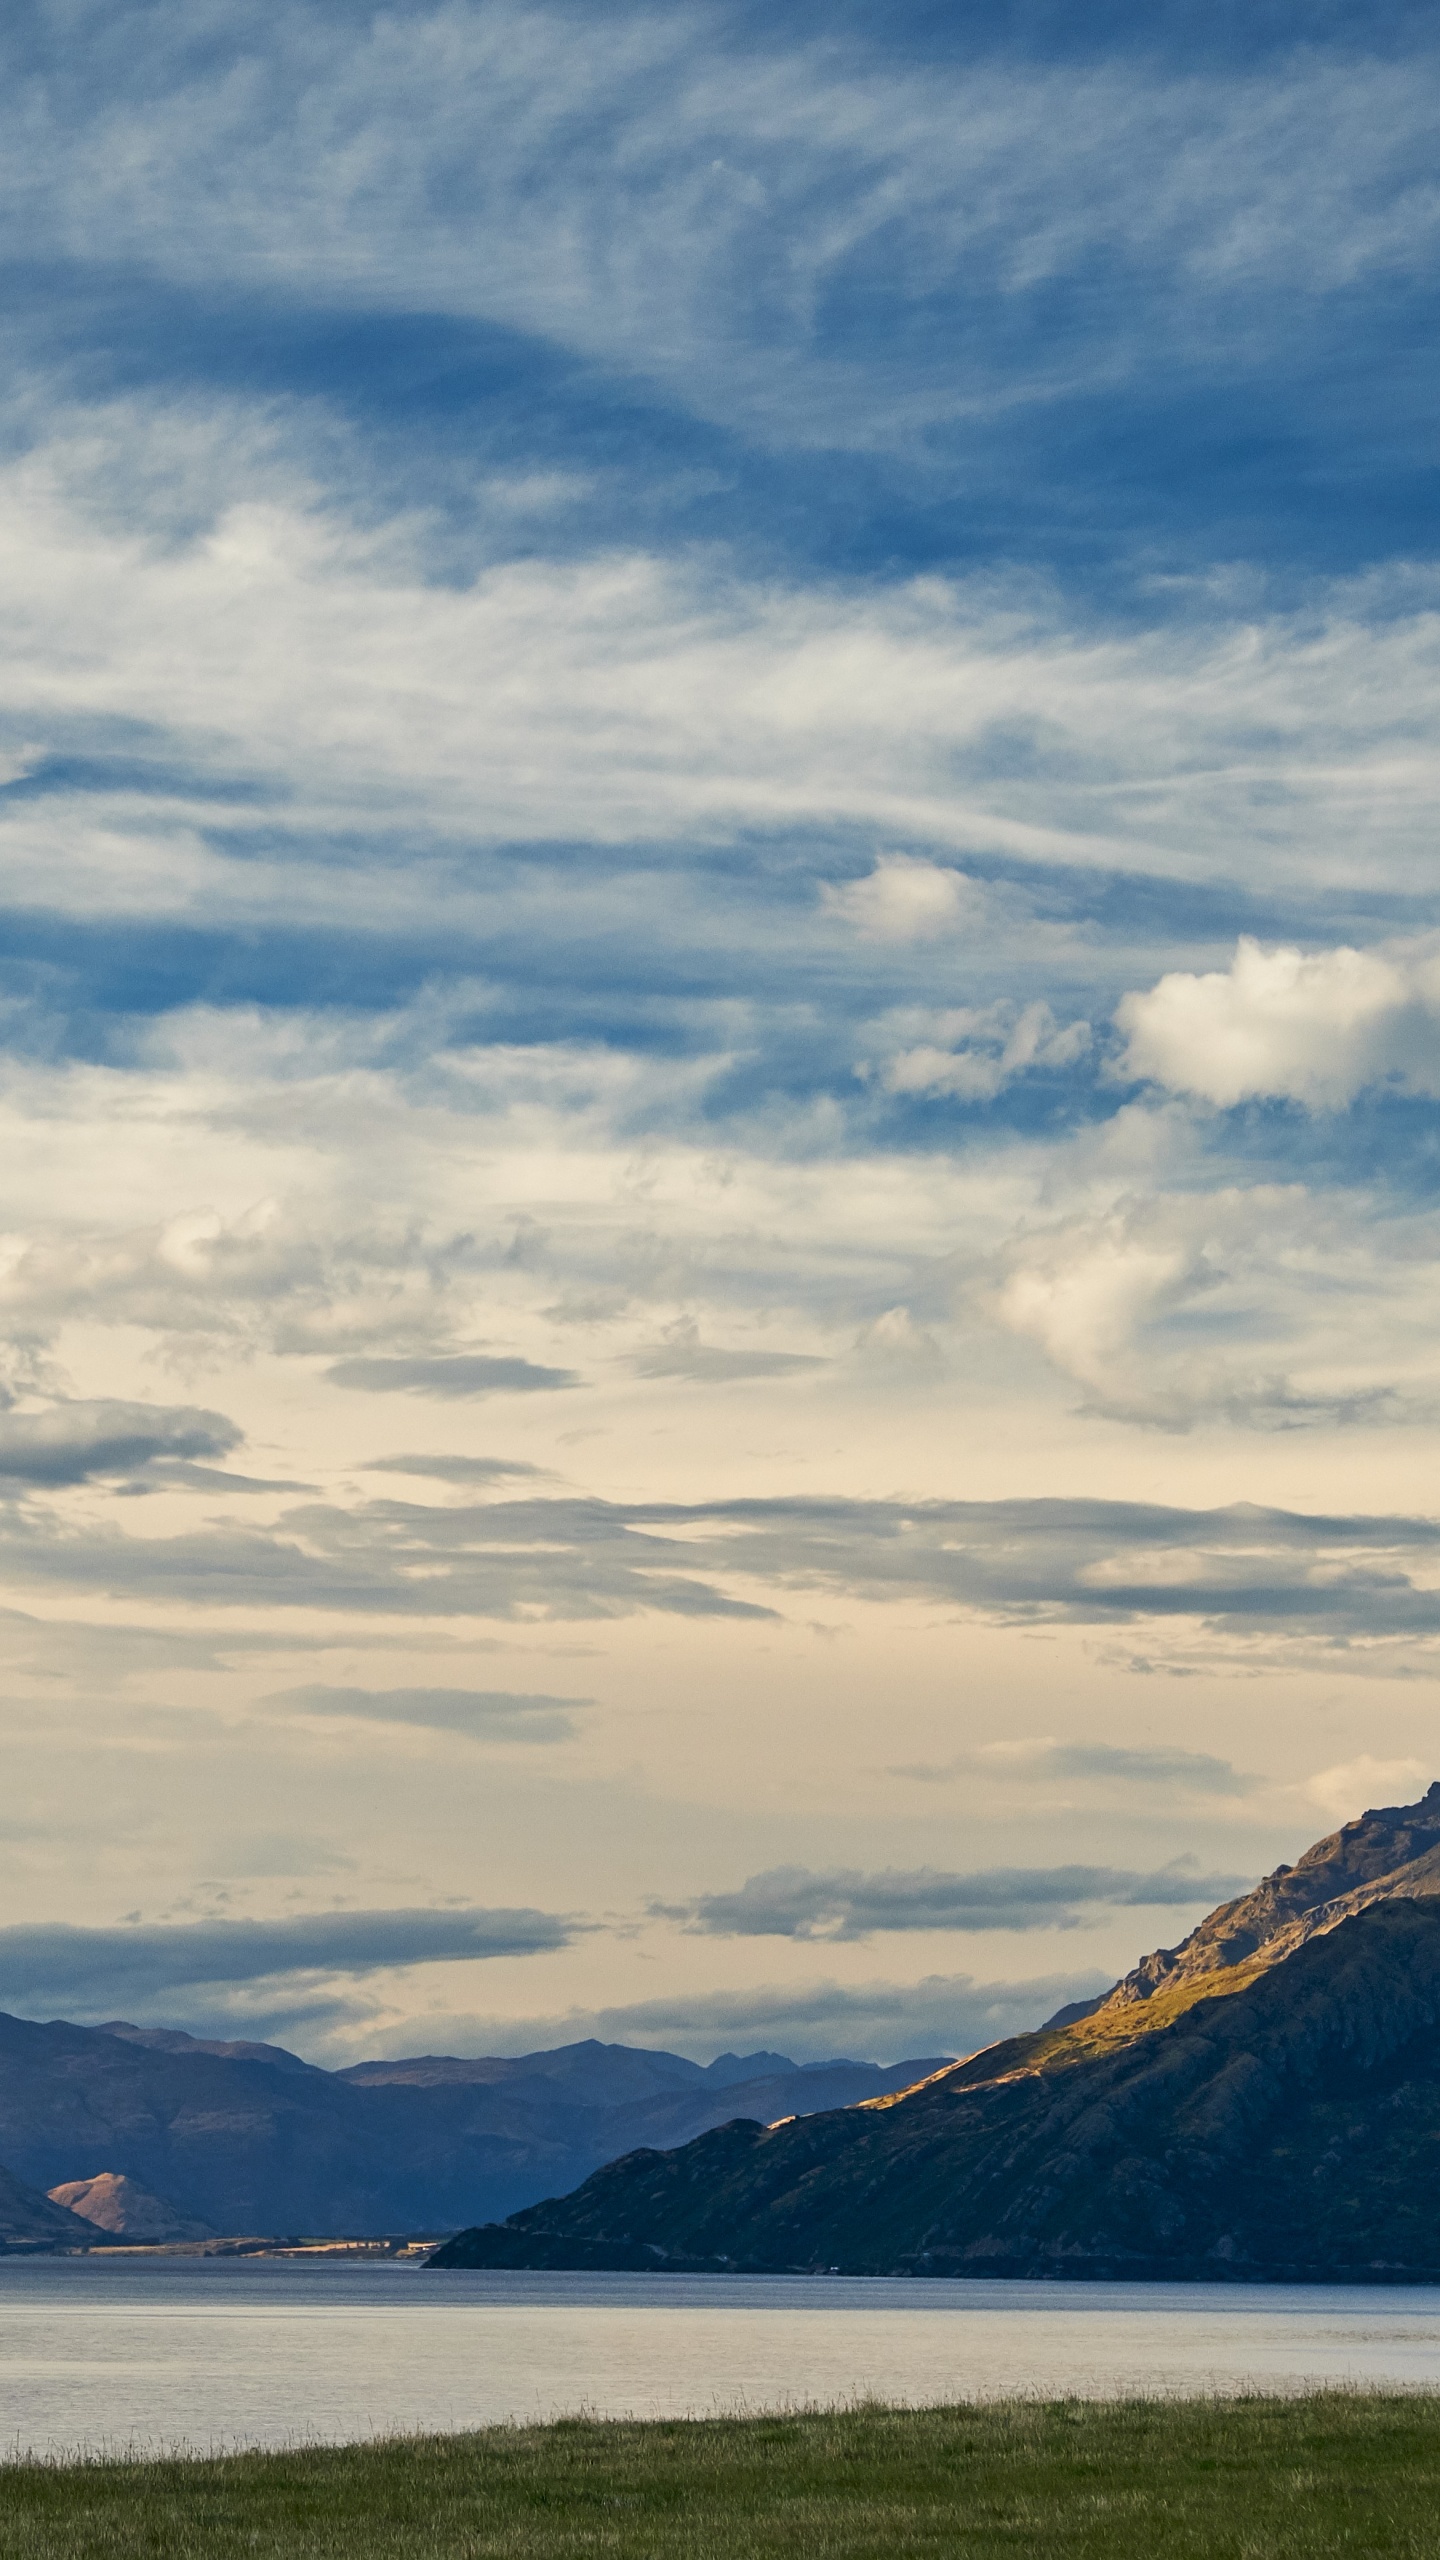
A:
[120,2206]
[1389,1852]
[1268,2105]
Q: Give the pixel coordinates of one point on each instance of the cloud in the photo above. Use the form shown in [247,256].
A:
[95,1972]
[1085,1291]
[1343,1790]
[976,1073]
[449,1470]
[664,200]
[793,1902]
[566,582]
[883,2020]
[682,1354]
[448,1374]
[1267,1305]
[904,899]
[894,1346]
[1311,1027]
[1104,1763]
[1356,1582]
[71,1441]
[299,680]
[486,1715]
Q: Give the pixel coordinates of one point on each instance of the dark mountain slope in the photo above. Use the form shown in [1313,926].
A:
[175,2040]
[1292,2130]
[29,2220]
[251,2139]
[994,2162]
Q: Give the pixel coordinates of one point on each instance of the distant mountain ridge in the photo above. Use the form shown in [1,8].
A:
[249,2139]
[1262,2100]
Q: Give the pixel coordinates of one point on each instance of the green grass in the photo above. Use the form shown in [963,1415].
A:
[1128,2480]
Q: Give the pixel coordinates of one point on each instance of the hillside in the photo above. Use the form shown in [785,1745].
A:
[1387,1854]
[125,2210]
[1262,2101]
[250,2139]
[29,2220]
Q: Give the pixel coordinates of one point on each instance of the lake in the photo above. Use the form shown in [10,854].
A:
[197,2352]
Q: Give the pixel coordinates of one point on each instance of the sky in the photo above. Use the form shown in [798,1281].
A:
[720,995]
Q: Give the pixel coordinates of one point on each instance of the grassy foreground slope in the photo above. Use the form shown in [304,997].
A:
[1186,2480]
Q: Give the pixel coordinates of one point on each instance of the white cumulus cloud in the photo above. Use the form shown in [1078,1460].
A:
[904,899]
[1313,1027]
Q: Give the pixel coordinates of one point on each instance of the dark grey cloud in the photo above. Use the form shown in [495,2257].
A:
[796,1902]
[1107,1762]
[487,1715]
[459,1373]
[72,1440]
[1339,1579]
[100,1971]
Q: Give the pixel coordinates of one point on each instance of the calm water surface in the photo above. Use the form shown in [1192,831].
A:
[205,2352]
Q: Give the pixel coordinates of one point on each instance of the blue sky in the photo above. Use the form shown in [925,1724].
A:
[721,1001]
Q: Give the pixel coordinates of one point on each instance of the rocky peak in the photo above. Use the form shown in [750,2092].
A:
[1390,1850]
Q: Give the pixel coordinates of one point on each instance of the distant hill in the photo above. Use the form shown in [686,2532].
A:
[250,2139]
[124,2210]
[1262,2101]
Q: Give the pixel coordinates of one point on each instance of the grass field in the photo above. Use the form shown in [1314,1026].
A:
[1277,2479]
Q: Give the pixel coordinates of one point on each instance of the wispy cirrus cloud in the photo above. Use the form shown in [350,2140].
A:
[630,702]
[666,200]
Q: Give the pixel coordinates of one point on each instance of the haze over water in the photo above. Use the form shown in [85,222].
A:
[196,2353]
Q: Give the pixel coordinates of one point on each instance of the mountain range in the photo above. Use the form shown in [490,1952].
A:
[1262,2101]
[244,2138]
